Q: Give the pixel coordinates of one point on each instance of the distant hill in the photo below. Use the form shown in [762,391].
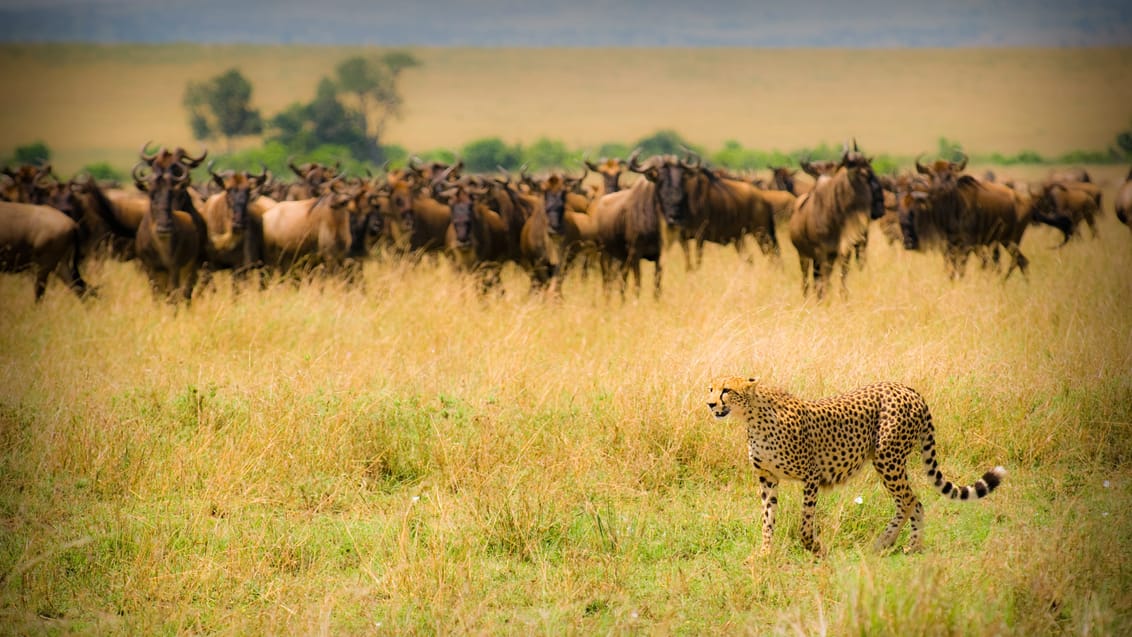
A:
[583,23]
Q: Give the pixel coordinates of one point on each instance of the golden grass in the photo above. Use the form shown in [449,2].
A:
[413,458]
[92,103]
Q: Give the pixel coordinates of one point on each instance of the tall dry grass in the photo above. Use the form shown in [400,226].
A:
[411,457]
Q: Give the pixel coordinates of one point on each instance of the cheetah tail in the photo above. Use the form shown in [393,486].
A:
[984,485]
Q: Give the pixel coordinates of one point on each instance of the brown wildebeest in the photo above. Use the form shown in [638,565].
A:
[610,170]
[310,233]
[724,211]
[828,221]
[29,183]
[41,237]
[312,176]
[1123,203]
[235,232]
[959,215]
[477,238]
[571,228]
[170,241]
[782,178]
[1064,205]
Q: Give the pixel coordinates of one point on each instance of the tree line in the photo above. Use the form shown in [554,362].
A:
[350,109]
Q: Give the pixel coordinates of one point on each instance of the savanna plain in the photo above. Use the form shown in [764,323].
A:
[408,456]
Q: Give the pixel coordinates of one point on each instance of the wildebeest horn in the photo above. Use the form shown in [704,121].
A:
[920,168]
[588,164]
[962,164]
[855,149]
[148,157]
[691,154]
[295,169]
[136,173]
[633,165]
[193,162]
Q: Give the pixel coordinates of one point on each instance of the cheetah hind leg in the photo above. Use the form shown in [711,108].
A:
[907,506]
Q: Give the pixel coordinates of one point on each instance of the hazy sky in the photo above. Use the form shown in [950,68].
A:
[785,23]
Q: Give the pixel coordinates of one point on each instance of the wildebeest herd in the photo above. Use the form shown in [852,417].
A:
[326,223]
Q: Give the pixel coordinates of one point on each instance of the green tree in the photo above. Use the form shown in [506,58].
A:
[663,142]
[221,107]
[372,85]
[33,153]
[486,155]
[547,153]
[324,121]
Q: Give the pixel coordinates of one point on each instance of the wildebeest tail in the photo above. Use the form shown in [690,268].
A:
[984,485]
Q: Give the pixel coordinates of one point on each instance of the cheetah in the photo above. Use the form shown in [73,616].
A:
[823,443]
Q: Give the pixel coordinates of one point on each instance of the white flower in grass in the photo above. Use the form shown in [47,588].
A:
[416,498]
[1106,484]
[1104,514]
[859,500]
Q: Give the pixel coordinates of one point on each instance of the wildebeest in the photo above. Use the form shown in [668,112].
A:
[960,215]
[476,239]
[829,220]
[170,241]
[309,234]
[631,223]
[28,183]
[610,170]
[312,176]
[724,211]
[44,239]
[235,233]
[571,228]
[1123,203]
[1064,205]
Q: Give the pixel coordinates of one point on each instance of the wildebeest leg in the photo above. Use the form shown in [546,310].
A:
[823,271]
[656,279]
[73,279]
[42,272]
[845,259]
[1017,259]
[806,265]
[860,251]
[685,245]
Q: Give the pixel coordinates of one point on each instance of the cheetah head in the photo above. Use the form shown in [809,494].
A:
[722,392]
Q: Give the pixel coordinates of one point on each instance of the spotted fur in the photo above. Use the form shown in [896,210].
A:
[823,443]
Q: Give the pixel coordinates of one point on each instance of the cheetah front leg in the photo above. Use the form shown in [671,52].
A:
[769,496]
[809,511]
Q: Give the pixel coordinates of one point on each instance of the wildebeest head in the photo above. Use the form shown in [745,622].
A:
[668,173]
[610,170]
[240,188]
[165,184]
[30,183]
[783,178]
[367,221]
[554,201]
[912,204]
[861,170]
